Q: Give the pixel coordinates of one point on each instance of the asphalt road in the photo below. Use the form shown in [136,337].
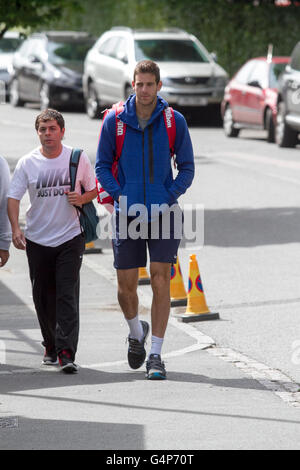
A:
[250,269]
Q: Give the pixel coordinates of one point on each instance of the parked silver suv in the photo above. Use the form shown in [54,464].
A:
[190,75]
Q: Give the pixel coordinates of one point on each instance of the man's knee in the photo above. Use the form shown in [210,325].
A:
[127,282]
[160,277]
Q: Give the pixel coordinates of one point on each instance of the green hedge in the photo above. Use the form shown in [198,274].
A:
[235,30]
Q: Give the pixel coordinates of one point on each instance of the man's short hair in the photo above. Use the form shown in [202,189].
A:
[147,66]
[50,115]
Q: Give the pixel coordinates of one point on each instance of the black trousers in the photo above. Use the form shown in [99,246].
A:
[55,278]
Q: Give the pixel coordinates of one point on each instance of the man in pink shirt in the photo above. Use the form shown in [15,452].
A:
[53,239]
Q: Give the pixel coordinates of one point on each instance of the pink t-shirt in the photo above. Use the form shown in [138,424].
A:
[50,219]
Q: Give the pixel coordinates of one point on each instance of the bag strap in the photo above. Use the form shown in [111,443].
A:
[170,123]
[120,131]
[74,163]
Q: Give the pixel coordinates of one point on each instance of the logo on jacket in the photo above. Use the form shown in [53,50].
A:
[168,114]
[120,127]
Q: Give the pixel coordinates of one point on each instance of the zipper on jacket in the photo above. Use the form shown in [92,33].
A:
[144,174]
[151,160]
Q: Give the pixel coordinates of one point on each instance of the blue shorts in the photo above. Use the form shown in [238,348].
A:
[130,251]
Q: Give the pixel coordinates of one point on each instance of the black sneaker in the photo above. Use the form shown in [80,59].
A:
[155,368]
[136,350]
[66,362]
[50,358]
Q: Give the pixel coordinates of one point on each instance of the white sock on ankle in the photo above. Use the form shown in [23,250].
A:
[156,345]
[136,329]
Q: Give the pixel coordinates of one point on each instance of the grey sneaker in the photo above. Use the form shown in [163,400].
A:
[136,350]
[66,362]
[50,358]
[155,368]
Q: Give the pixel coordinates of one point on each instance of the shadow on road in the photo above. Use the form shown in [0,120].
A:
[252,227]
[54,434]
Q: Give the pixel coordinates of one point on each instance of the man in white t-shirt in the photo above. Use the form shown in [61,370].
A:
[53,238]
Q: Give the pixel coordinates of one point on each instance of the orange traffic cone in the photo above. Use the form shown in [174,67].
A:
[91,249]
[197,309]
[144,278]
[178,292]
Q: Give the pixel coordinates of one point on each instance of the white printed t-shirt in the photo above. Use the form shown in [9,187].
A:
[50,219]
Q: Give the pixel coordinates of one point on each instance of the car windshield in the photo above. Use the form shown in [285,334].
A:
[275,71]
[169,50]
[64,51]
[9,45]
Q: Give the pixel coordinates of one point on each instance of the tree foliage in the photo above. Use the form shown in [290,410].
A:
[33,13]
[235,29]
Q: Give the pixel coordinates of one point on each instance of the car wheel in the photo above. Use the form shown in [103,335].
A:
[92,103]
[285,136]
[270,126]
[45,98]
[228,124]
[14,96]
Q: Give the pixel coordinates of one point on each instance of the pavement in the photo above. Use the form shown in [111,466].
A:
[232,383]
[206,403]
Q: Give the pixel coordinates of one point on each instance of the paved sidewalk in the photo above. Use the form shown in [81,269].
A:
[206,403]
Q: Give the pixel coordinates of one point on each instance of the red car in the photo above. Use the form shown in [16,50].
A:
[250,97]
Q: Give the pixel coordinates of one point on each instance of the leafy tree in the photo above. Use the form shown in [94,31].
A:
[33,13]
[235,29]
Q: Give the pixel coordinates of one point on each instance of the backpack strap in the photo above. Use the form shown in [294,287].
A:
[74,163]
[120,130]
[170,123]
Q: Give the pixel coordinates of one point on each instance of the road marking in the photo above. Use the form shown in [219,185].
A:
[271,379]
[287,179]
[145,299]
[292,165]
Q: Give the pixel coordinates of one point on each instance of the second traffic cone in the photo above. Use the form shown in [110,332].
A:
[197,309]
[178,292]
[144,278]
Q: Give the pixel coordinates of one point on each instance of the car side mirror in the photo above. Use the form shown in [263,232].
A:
[254,83]
[214,56]
[122,57]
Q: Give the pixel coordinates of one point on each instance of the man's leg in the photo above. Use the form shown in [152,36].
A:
[42,274]
[127,292]
[161,304]
[128,300]
[68,264]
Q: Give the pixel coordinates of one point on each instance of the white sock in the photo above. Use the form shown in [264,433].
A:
[156,345]
[136,329]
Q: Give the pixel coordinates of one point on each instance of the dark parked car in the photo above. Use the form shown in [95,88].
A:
[9,43]
[47,69]
[250,99]
[288,118]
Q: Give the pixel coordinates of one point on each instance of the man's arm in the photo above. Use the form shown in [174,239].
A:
[184,159]
[18,238]
[76,199]
[5,231]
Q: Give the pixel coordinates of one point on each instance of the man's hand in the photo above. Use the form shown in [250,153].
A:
[4,255]
[74,198]
[19,240]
